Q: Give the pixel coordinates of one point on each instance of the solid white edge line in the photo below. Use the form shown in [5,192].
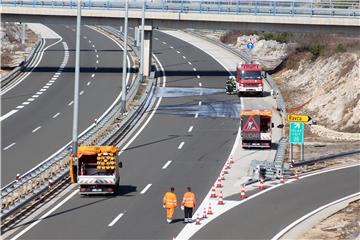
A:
[181,145]
[146,188]
[293,224]
[44,216]
[190,128]
[166,164]
[9,146]
[36,129]
[8,114]
[115,219]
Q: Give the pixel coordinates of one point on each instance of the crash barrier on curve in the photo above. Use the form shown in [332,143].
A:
[35,182]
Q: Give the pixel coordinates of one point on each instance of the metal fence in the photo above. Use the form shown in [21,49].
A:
[335,8]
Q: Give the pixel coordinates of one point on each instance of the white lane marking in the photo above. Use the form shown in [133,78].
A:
[36,129]
[88,83]
[35,96]
[45,215]
[115,219]
[189,63]
[200,84]
[93,75]
[85,37]
[97,56]
[20,107]
[293,224]
[198,76]
[166,164]
[146,188]
[49,84]
[184,57]
[95,50]
[178,51]
[171,47]
[56,115]
[42,90]
[6,148]
[30,99]
[190,128]
[156,38]
[53,78]
[45,87]
[90,41]
[26,103]
[181,145]
[70,103]
[39,93]
[196,115]
[194,69]
[97,61]
[82,92]
[164,43]
[93,46]
[51,81]
[57,74]
[200,103]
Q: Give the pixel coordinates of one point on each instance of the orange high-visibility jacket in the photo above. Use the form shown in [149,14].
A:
[169,200]
[189,200]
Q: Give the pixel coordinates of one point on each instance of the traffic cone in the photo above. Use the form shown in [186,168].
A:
[218,183]
[227,166]
[261,185]
[204,213]
[221,199]
[50,183]
[17,178]
[213,192]
[296,176]
[242,193]
[222,176]
[209,212]
[231,160]
[197,220]
[225,171]
[282,180]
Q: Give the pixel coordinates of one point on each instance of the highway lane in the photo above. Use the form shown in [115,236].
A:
[266,215]
[196,157]
[44,125]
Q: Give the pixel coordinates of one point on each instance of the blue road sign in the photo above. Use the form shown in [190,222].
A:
[296,132]
[250,45]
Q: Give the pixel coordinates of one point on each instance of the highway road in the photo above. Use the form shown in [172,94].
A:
[267,214]
[197,146]
[43,121]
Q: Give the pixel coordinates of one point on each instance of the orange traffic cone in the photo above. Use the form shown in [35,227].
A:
[197,220]
[261,185]
[242,192]
[221,199]
[213,192]
[231,160]
[296,176]
[209,212]
[50,183]
[218,183]
[204,213]
[282,180]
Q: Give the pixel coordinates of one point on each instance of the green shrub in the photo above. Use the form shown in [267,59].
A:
[340,48]
[316,50]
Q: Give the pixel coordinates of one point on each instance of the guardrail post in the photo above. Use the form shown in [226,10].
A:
[200,5]
[219,6]
[237,7]
[274,7]
[293,8]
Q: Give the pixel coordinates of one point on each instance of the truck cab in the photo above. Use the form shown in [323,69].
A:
[250,79]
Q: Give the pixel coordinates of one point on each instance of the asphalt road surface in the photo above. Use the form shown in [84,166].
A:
[44,124]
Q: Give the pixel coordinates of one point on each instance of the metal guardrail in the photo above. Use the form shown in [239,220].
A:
[33,183]
[325,158]
[332,8]
[5,80]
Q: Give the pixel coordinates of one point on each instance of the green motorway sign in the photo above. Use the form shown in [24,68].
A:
[296,132]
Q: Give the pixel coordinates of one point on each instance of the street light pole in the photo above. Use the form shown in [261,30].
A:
[76,83]
[142,42]
[123,97]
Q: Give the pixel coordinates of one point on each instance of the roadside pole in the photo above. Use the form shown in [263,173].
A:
[142,43]
[23,34]
[123,97]
[73,164]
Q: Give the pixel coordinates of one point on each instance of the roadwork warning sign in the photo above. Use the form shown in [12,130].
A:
[250,124]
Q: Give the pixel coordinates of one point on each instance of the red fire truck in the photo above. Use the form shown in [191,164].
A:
[249,79]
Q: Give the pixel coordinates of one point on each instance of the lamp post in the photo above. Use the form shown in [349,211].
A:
[142,42]
[123,97]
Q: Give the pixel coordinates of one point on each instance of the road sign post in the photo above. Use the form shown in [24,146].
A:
[296,133]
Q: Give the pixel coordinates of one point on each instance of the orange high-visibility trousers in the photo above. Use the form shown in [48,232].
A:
[169,213]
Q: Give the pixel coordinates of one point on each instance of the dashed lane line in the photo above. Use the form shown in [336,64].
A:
[25,103]
[166,164]
[9,146]
[200,84]
[194,69]
[178,52]
[189,63]
[88,83]
[171,47]
[35,96]
[56,115]
[93,75]
[164,43]
[115,219]
[97,61]
[70,103]
[20,107]
[196,115]
[33,131]
[146,188]
[200,103]
[198,76]
[191,128]
[181,145]
[82,92]
[184,57]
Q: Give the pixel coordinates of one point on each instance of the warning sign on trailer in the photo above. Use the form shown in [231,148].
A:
[250,124]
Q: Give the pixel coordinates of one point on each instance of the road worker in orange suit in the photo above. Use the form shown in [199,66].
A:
[188,205]
[170,203]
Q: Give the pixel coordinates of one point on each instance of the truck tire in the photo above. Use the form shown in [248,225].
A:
[239,94]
